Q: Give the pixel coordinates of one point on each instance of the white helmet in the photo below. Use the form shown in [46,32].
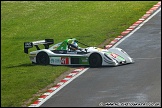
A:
[73,45]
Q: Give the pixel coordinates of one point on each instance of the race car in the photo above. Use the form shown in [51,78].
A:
[68,52]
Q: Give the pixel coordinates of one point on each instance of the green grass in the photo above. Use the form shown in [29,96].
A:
[91,22]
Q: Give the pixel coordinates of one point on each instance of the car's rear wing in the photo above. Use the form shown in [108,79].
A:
[45,42]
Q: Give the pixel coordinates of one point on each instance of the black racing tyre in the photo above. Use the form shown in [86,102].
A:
[42,58]
[95,60]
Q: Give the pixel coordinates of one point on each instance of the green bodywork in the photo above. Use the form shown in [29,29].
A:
[82,60]
[64,44]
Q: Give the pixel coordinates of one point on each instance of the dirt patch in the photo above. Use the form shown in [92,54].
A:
[106,42]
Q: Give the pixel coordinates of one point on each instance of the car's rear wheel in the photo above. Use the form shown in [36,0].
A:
[95,60]
[42,58]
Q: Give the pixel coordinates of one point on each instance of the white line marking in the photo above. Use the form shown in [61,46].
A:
[136,28]
[61,87]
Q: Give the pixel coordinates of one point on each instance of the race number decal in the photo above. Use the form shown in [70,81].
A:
[64,60]
[59,60]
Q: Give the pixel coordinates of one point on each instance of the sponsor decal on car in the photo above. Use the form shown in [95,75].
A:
[116,56]
[59,60]
[84,60]
[28,45]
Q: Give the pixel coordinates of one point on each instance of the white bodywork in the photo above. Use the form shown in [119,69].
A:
[110,57]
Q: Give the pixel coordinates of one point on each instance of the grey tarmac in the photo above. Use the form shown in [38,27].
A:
[139,82]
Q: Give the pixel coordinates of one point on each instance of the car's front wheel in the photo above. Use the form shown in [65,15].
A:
[95,60]
[42,58]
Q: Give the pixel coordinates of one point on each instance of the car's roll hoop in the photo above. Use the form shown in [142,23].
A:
[45,42]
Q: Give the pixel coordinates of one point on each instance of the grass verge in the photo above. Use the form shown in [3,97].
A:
[91,22]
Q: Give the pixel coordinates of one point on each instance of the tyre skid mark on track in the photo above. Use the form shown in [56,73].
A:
[75,73]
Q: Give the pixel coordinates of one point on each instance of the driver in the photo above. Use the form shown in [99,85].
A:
[73,45]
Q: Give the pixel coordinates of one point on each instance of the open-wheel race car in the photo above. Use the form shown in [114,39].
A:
[68,52]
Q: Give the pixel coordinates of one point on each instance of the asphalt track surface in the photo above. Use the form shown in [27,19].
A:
[134,83]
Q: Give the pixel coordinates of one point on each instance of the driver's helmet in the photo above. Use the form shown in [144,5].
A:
[74,45]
